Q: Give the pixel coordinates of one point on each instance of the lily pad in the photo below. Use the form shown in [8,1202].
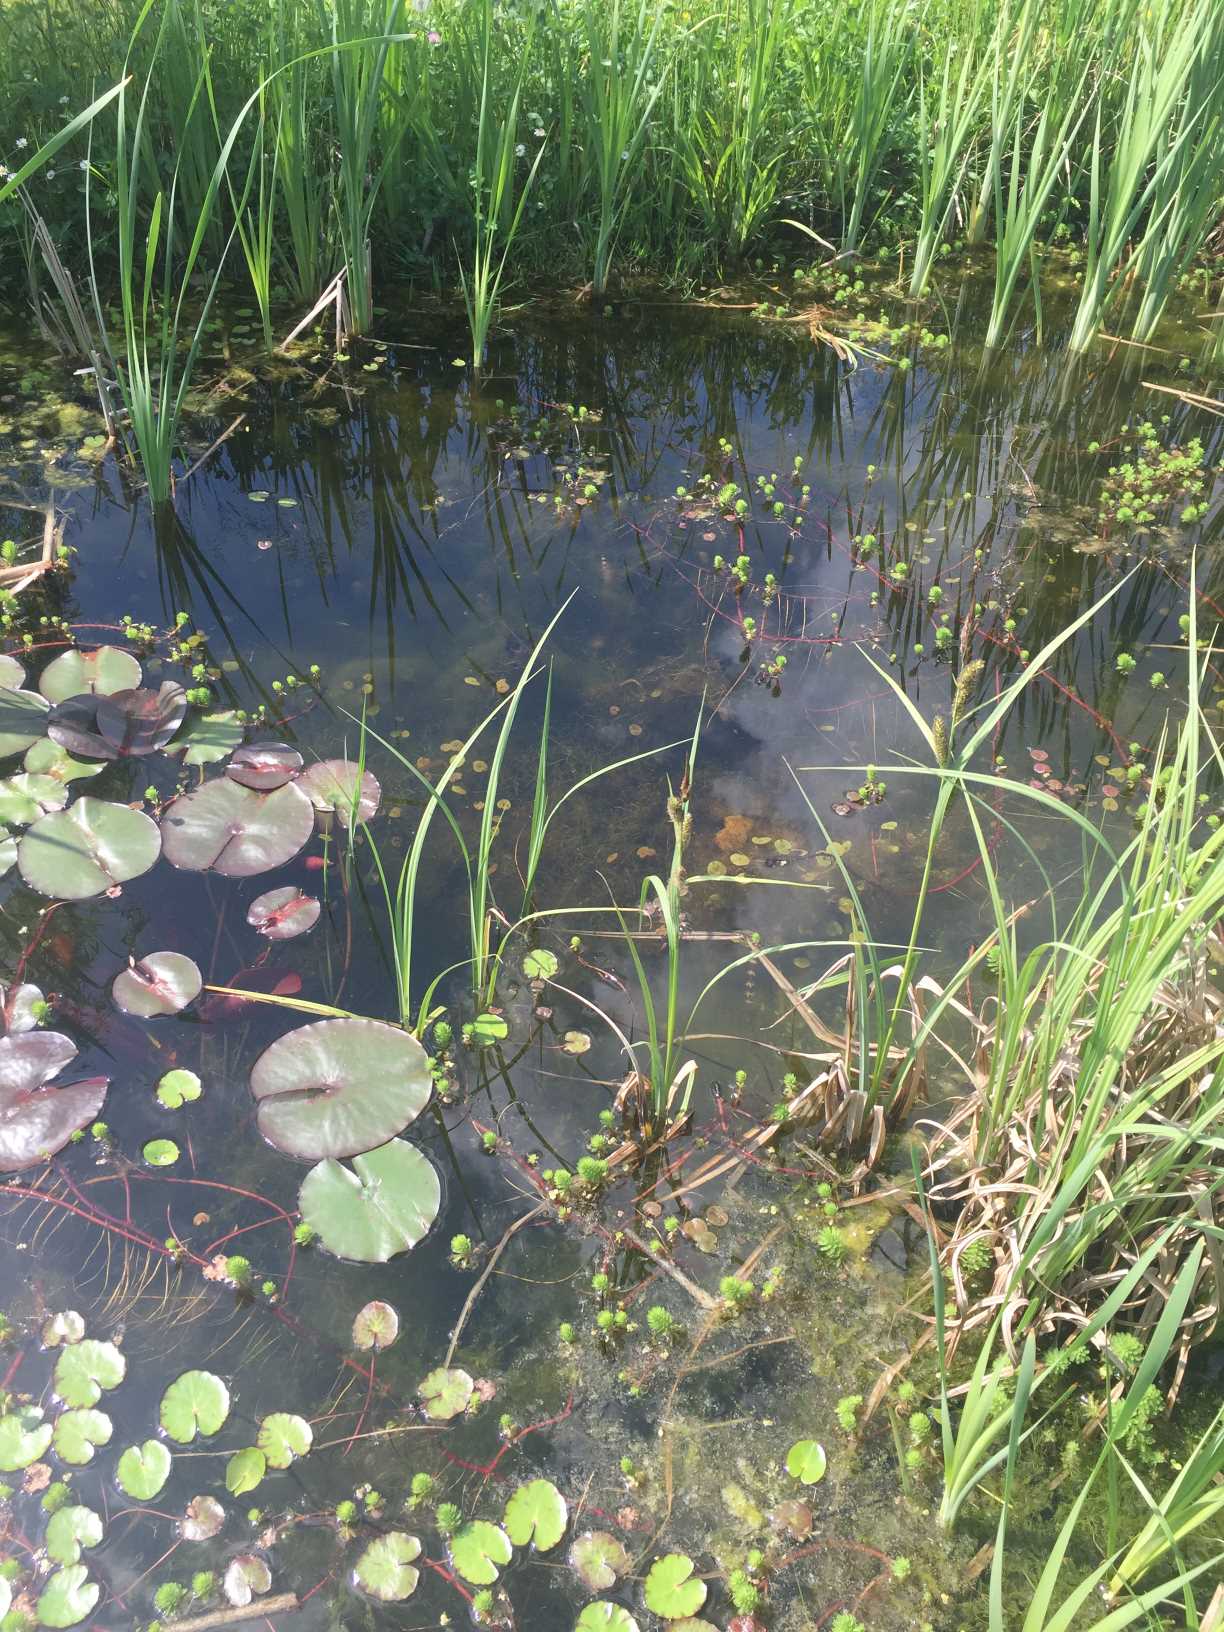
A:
[488,1029]
[385,1570]
[161,983]
[672,1590]
[87,849]
[8,852]
[24,1436]
[12,673]
[536,1513]
[143,1470]
[66,1326]
[382,1205]
[68,1597]
[78,1434]
[576,1042]
[22,1007]
[23,719]
[806,1461]
[264,765]
[84,1369]
[540,964]
[141,721]
[208,738]
[244,1470]
[202,1520]
[37,1118]
[283,1436]
[27,796]
[601,1616]
[104,670]
[178,1088]
[48,758]
[160,1152]
[478,1549]
[282,914]
[69,1529]
[337,785]
[245,1577]
[339,1087]
[196,1402]
[446,1392]
[234,830]
[376,1326]
[599,1559]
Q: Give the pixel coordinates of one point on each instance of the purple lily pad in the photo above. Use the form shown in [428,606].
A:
[282,914]
[264,765]
[73,724]
[332,785]
[339,1087]
[234,830]
[141,721]
[36,1118]
[162,983]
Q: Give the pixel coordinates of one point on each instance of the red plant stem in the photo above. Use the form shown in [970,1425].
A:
[14,1366]
[487,1470]
[447,1575]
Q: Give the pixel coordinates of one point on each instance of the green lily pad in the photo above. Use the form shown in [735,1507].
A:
[84,1369]
[488,1029]
[27,796]
[68,1530]
[672,1590]
[24,1436]
[12,673]
[8,852]
[208,738]
[477,1549]
[161,1152]
[445,1393]
[385,1570]
[601,1616]
[806,1461]
[68,1597]
[332,785]
[178,1088]
[282,1436]
[23,719]
[161,983]
[66,1326]
[105,670]
[576,1042]
[540,964]
[383,1204]
[47,758]
[536,1513]
[599,1559]
[78,1434]
[245,1576]
[339,1087]
[244,1470]
[143,1470]
[87,849]
[235,830]
[202,1520]
[375,1326]
[196,1402]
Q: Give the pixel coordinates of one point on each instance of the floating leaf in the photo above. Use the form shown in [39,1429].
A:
[376,1326]
[12,673]
[806,1461]
[283,1436]
[202,1520]
[536,1513]
[160,1152]
[488,1029]
[27,796]
[384,1204]
[446,1392]
[78,1433]
[84,1369]
[245,1576]
[333,785]
[339,1087]
[161,983]
[602,1616]
[106,669]
[282,914]
[794,1517]
[178,1088]
[234,830]
[672,1590]
[385,1570]
[599,1559]
[37,1118]
[139,722]
[576,1042]
[208,738]
[24,1436]
[264,765]
[23,719]
[196,1402]
[65,1327]
[540,964]
[8,852]
[68,1530]
[87,849]
[47,758]
[143,1470]
[68,1597]
[244,1470]
[477,1549]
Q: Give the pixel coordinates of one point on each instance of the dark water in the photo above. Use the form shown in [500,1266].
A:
[413,533]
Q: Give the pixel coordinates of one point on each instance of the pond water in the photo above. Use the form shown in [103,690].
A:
[414,533]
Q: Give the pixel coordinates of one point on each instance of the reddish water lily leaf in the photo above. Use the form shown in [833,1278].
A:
[235,830]
[37,1118]
[202,1520]
[140,721]
[73,724]
[282,914]
[162,983]
[264,765]
[333,785]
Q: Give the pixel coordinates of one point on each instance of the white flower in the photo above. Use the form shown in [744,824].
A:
[50,175]
[22,141]
[624,155]
[64,100]
[520,149]
[4,170]
[538,131]
[84,164]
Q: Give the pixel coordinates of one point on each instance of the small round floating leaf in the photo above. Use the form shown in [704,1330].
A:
[264,765]
[23,719]
[68,1530]
[161,1152]
[385,1570]
[540,964]
[384,1204]
[339,1087]
[139,722]
[338,784]
[47,758]
[478,1549]
[12,674]
[27,796]
[202,1520]
[282,914]
[87,849]
[24,1436]
[672,1590]
[67,1326]
[245,1577]
[282,1436]
[446,1392]
[178,1088]
[105,670]
[599,1559]
[234,830]
[84,1369]
[196,1402]
[78,1433]
[68,1597]
[488,1029]
[806,1461]
[208,738]
[536,1513]
[143,1470]
[244,1470]
[576,1042]
[161,983]
[601,1616]
[376,1326]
